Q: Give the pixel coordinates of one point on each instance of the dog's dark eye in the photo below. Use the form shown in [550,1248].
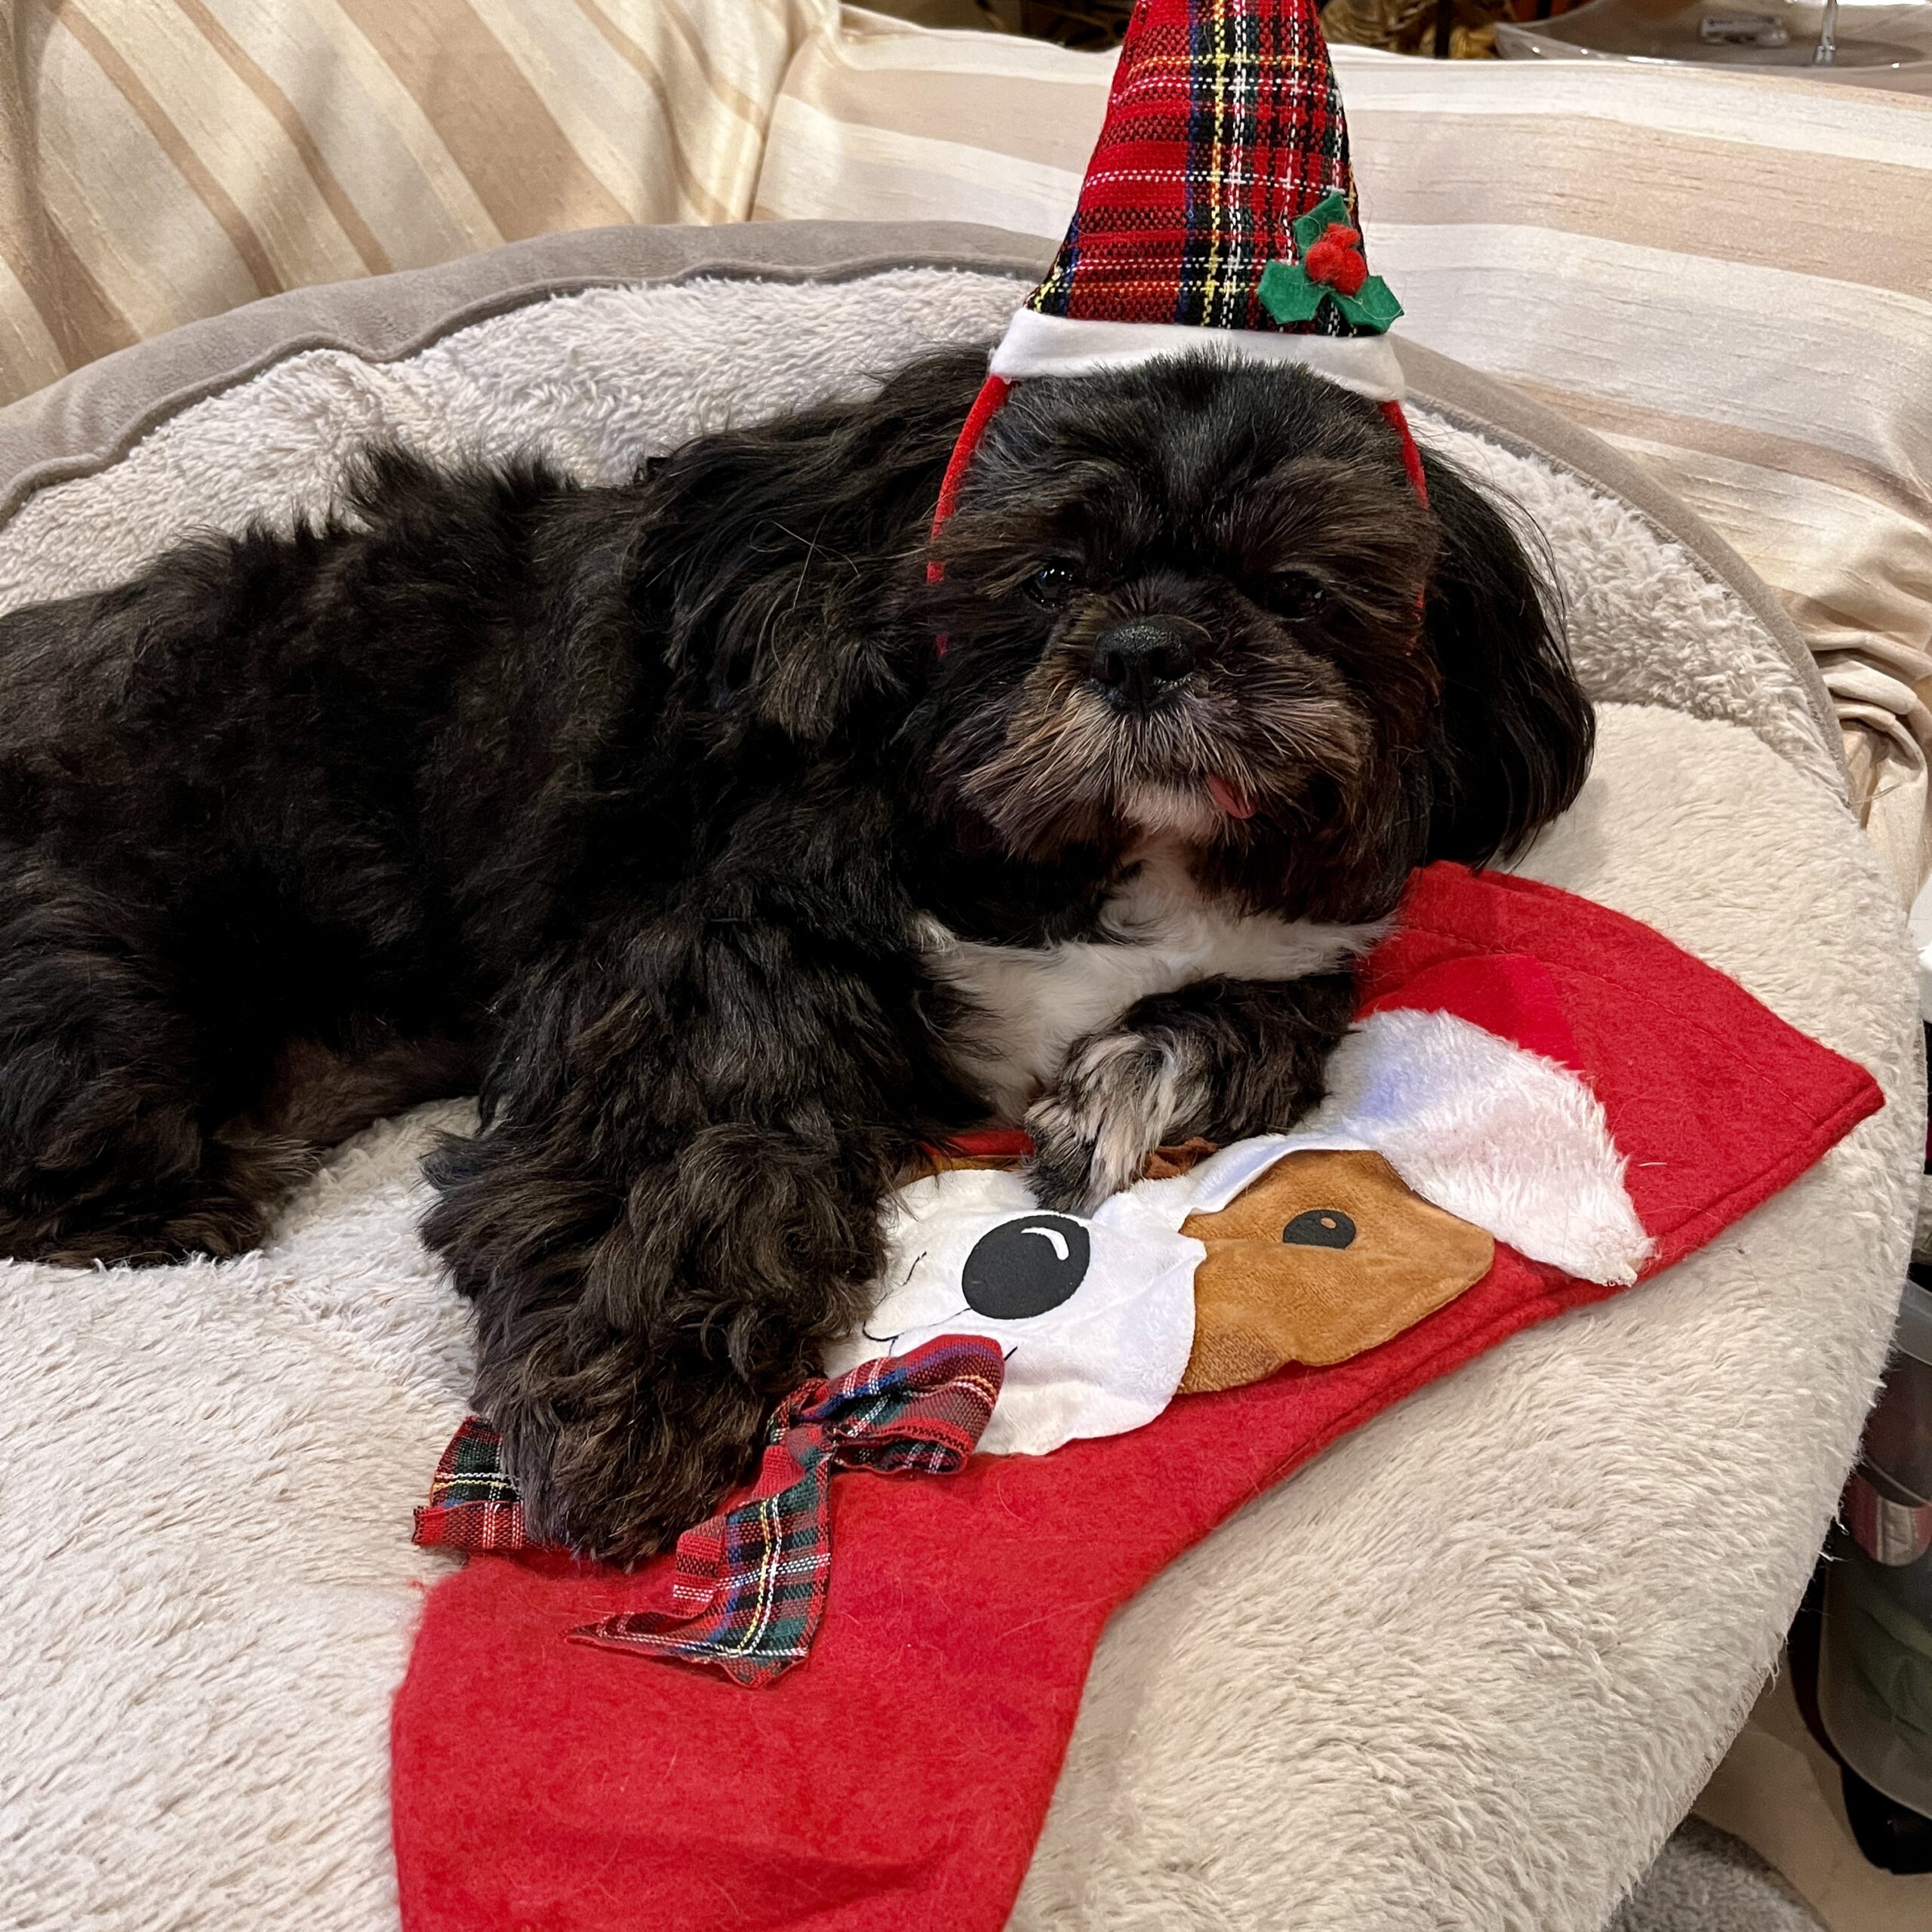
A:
[1051,584]
[1295,594]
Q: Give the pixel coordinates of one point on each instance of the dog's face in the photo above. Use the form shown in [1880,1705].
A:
[1203,600]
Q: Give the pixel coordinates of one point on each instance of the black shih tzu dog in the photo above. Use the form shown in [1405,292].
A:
[739,861]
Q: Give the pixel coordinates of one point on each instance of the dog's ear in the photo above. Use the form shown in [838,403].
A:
[1514,744]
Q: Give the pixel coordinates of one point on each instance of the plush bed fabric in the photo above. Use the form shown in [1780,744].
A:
[1466,1669]
[1706,1880]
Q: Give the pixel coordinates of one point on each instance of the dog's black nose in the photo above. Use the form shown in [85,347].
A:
[1135,662]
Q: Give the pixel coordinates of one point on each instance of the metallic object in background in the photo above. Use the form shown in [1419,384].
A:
[1875,1674]
[1872,43]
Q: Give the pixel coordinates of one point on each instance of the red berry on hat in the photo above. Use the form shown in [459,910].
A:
[1336,261]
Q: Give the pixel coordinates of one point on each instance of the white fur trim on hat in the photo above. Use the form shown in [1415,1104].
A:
[1038,345]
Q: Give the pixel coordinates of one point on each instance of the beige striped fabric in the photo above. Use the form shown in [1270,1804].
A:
[1728,277]
[163,160]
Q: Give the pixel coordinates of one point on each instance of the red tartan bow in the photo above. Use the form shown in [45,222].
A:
[749,1585]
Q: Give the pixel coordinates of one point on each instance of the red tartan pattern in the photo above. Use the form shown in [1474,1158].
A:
[1223,125]
[473,1505]
[749,1586]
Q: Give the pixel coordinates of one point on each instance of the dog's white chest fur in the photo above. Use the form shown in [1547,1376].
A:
[1030,1004]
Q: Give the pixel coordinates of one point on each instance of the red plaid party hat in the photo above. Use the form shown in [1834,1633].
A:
[1220,197]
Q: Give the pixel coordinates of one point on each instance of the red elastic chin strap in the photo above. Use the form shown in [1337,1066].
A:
[1397,419]
[993,390]
[985,406]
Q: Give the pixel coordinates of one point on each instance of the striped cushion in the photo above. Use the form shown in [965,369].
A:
[163,160]
[1727,276]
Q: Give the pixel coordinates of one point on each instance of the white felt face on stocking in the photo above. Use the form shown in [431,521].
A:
[1094,1317]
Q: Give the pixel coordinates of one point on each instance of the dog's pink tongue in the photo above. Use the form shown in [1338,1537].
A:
[1236,805]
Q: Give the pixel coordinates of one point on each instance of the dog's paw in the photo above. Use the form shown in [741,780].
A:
[630,1360]
[1119,1096]
[615,1458]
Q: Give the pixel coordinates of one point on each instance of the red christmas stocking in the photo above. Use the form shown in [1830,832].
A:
[899,1776]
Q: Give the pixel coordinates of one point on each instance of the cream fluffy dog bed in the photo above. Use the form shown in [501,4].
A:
[1467,1670]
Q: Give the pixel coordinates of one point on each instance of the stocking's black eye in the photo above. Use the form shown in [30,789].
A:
[1051,584]
[1296,595]
[1320,1227]
[1024,1268]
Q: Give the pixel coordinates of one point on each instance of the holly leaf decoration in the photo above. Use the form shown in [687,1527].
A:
[1372,306]
[1332,211]
[1291,295]
[1288,295]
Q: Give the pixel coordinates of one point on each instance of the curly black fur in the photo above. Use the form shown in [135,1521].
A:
[636,801]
